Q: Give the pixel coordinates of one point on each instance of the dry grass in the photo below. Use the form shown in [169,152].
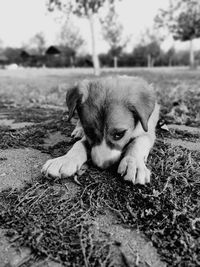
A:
[43,217]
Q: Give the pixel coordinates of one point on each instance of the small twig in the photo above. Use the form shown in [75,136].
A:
[166,185]
[28,192]
[130,211]
[43,193]
[88,186]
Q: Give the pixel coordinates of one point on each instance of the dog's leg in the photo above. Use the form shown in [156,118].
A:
[132,165]
[78,132]
[68,164]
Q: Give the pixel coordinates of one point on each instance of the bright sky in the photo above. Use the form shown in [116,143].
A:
[22,19]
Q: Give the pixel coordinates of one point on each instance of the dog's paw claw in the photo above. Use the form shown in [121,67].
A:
[134,170]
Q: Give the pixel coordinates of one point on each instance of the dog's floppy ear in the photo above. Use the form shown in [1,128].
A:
[72,98]
[76,96]
[142,102]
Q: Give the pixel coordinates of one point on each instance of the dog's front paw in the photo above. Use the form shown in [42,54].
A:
[78,132]
[62,167]
[134,169]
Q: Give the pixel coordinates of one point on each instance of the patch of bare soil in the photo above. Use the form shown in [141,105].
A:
[186,144]
[10,257]
[7,252]
[189,129]
[18,166]
[12,125]
[53,139]
[128,247]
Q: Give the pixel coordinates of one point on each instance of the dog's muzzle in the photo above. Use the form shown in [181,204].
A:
[103,156]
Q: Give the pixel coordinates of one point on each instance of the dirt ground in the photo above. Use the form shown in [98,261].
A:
[34,128]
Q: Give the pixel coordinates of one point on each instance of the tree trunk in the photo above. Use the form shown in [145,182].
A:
[115,62]
[191,54]
[148,60]
[94,52]
[152,62]
[71,61]
[170,62]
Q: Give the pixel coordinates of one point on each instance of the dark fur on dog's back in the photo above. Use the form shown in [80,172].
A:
[92,112]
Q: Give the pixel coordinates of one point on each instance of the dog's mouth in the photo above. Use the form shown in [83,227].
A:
[106,164]
[104,157]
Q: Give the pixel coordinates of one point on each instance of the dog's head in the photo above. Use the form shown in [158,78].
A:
[110,110]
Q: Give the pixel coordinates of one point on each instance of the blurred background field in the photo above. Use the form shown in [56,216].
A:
[99,33]
[177,88]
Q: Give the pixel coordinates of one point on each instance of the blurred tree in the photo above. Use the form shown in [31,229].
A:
[70,38]
[153,52]
[13,55]
[84,61]
[38,43]
[68,55]
[182,19]
[181,58]
[150,42]
[140,55]
[170,54]
[112,30]
[83,8]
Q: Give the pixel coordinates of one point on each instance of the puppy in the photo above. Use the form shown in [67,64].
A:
[117,119]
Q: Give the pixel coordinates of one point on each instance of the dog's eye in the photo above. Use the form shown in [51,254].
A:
[118,135]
